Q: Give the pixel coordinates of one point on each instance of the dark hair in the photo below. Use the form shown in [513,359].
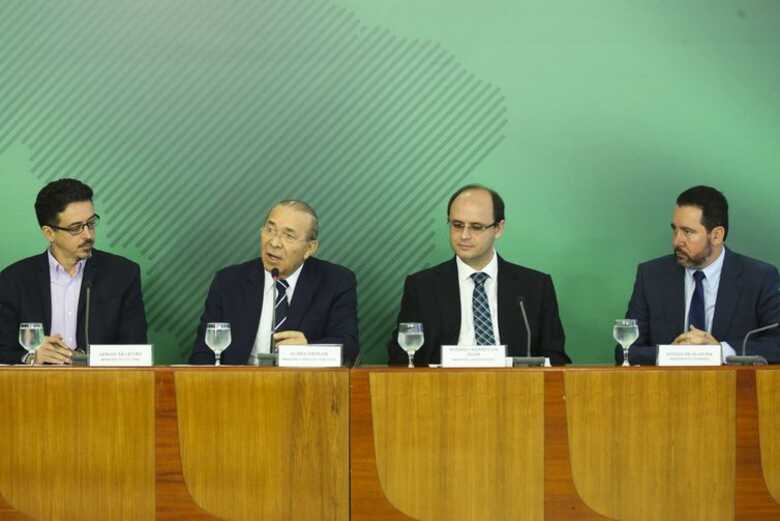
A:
[713,205]
[56,196]
[498,203]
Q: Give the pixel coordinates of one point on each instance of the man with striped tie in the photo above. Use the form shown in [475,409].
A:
[287,296]
[473,299]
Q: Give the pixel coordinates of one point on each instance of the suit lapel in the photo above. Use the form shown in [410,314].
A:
[43,282]
[507,293]
[308,282]
[449,303]
[674,294]
[253,298]
[728,295]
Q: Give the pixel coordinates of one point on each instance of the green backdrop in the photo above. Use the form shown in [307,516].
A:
[189,119]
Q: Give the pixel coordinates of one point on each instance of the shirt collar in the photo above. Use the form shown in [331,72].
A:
[465,271]
[292,280]
[712,271]
[56,269]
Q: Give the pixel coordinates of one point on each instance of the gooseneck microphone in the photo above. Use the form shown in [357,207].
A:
[274,277]
[744,359]
[527,360]
[88,294]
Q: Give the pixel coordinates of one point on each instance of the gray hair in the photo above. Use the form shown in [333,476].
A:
[304,207]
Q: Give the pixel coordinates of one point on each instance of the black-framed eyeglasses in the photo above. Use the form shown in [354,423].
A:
[76,228]
[472,227]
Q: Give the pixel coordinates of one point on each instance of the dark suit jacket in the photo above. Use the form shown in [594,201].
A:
[117,307]
[432,297]
[324,307]
[748,298]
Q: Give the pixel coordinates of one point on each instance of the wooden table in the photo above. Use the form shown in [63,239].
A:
[184,443]
[433,444]
[566,444]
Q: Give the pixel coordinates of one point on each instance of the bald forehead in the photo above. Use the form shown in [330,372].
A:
[292,217]
[475,196]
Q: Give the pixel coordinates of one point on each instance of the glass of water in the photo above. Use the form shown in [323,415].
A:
[410,338]
[31,335]
[218,338]
[625,332]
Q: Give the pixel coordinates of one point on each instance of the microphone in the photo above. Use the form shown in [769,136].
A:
[275,277]
[744,359]
[527,360]
[81,356]
[269,358]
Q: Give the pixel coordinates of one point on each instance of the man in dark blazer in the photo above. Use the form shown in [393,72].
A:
[474,298]
[51,288]
[316,300]
[704,293]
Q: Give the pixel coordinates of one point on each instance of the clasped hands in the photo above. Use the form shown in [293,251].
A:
[54,350]
[290,337]
[696,337]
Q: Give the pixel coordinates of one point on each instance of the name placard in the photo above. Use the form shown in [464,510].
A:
[687,355]
[311,355]
[473,356]
[120,355]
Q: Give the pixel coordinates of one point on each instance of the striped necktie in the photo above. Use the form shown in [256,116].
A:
[483,324]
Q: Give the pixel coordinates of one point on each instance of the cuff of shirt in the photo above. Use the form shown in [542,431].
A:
[727,350]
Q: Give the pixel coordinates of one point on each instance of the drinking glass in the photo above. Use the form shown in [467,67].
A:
[410,338]
[31,335]
[625,332]
[218,338]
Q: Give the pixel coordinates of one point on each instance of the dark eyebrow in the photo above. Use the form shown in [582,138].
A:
[77,223]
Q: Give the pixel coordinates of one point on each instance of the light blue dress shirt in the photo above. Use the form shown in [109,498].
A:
[710,285]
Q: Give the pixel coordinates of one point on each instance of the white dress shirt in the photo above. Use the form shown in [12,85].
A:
[263,338]
[710,284]
[466,287]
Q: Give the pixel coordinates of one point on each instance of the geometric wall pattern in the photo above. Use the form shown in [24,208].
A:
[189,119]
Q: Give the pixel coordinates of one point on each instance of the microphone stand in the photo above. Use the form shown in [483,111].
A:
[271,358]
[744,359]
[527,360]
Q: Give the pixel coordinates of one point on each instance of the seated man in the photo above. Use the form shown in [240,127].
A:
[704,293]
[478,283]
[51,288]
[316,304]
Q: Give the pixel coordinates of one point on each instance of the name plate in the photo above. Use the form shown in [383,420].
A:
[311,355]
[135,355]
[473,356]
[685,355]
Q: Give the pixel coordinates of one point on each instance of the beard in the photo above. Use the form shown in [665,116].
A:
[693,261]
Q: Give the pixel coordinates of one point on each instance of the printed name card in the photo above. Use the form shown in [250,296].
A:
[473,356]
[137,355]
[685,355]
[311,355]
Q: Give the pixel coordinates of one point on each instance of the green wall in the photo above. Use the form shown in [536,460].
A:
[190,118]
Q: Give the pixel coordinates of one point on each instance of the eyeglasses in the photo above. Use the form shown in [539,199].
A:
[77,228]
[285,236]
[475,228]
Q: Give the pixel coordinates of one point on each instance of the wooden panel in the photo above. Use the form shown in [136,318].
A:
[266,444]
[651,444]
[752,499]
[78,443]
[768,383]
[561,500]
[367,499]
[460,445]
[173,499]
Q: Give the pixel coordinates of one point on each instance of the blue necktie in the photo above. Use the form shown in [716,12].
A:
[483,325]
[282,305]
[696,312]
